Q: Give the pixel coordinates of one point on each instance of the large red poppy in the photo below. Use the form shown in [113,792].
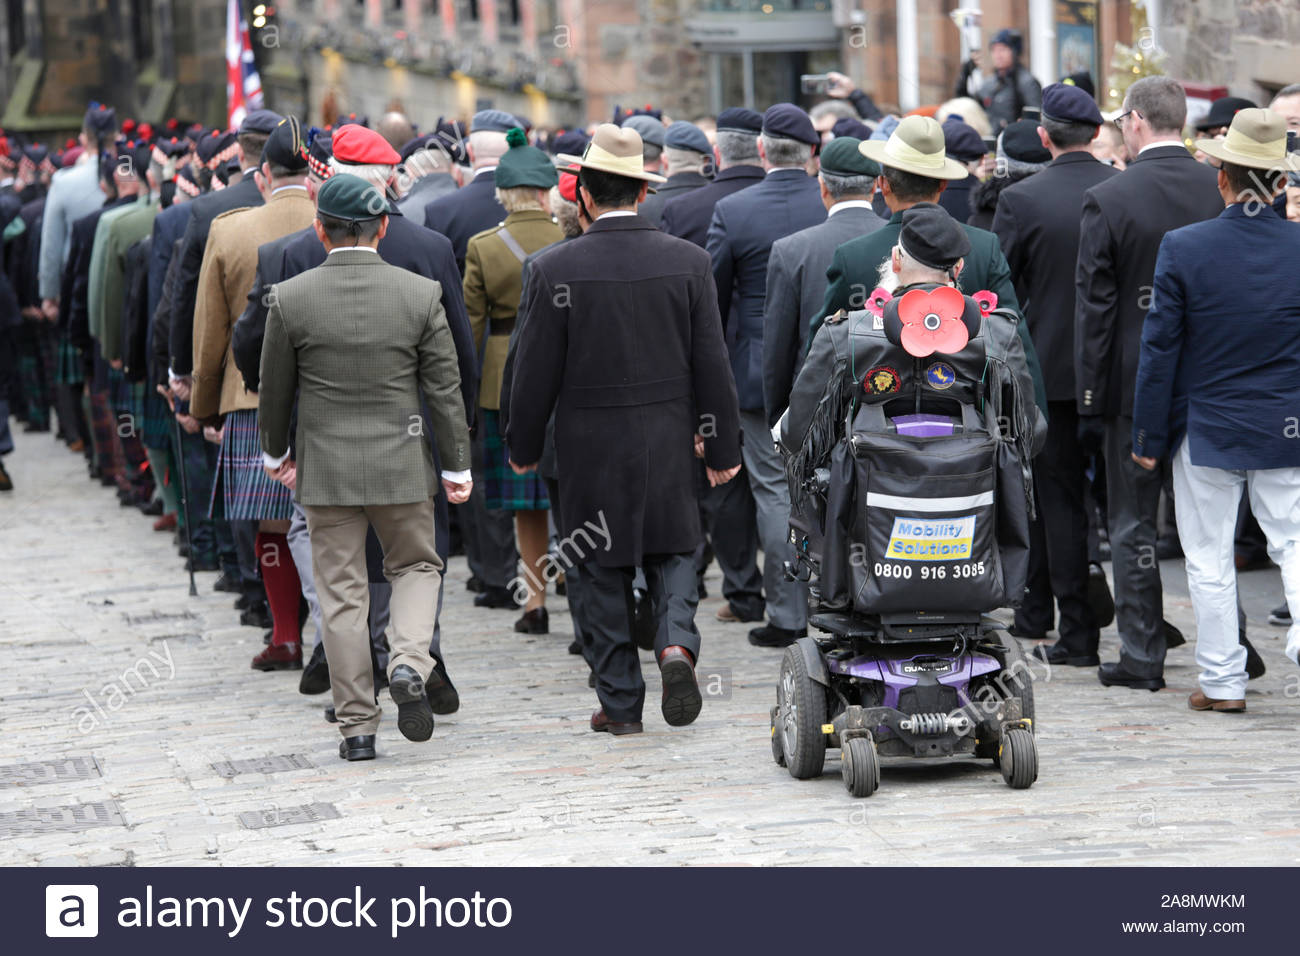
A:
[932,322]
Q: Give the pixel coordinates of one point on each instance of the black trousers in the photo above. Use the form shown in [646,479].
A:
[1058,553]
[1133,498]
[732,525]
[606,609]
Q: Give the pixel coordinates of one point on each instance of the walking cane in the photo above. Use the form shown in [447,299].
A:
[185,496]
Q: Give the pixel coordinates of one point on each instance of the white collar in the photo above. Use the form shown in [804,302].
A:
[848,204]
[280,189]
[1160,143]
[777,169]
[353,249]
[614,212]
[483,169]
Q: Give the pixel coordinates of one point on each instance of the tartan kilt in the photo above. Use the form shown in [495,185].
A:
[70,364]
[503,490]
[155,422]
[242,491]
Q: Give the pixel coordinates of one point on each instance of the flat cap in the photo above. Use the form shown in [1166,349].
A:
[932,237]
[492,121]
[737,119]
[1067,103]
[351,199]
[260,121]
[684,135]
[790,122]
[650,129]
[841,157]
[356,145]
[286,146]
[962,141]
[1020,142]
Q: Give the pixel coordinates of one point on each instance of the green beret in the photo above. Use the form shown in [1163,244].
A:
[524,165]
[350,198]
[841,157]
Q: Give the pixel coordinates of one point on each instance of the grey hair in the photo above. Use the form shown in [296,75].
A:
[840,186]
[1290,90]
[785,152]
[837,108]
[566,214]
[1161,101]
[377,174]
[890,280]
[680,160]
[736,148]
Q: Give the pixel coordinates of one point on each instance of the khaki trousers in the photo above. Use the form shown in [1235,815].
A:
[412,566]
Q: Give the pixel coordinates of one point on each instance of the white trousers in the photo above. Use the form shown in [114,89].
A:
[1205,501]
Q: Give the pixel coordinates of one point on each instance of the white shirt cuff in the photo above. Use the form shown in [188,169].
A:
[274,463]
[456,477]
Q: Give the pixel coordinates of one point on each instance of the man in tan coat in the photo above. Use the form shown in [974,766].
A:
[242,491]
[359,341]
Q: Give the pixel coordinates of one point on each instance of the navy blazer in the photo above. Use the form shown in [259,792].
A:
[740,240]
[1220,355]
[688,216]
[465,213]
[168,226]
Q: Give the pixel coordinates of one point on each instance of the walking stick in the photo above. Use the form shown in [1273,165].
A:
[185,499]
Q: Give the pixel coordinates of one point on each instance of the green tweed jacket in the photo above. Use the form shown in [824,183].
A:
[359,341]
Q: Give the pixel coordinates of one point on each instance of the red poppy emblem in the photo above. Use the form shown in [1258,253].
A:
[987,301]
[932,322]
[877,300]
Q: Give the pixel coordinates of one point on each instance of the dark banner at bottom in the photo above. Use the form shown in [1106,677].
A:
[643,910]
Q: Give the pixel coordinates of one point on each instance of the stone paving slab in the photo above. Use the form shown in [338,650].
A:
[104,657]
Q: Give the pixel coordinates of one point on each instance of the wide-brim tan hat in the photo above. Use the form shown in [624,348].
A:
[915,146]
[1256,138]
[615,150]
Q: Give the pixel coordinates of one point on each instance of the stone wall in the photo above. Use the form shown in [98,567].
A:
[1250,46]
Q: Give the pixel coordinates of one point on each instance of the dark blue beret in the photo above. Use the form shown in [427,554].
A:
[737,119]
[848,126]
[790,122]
[571,142]
[1067,103]
[684,135]
[260,121]
[962,141]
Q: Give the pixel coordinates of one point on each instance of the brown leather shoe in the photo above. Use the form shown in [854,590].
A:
[1198,701]
[725,613]
[602,724]
[279,657]
[681,701]
[165,523]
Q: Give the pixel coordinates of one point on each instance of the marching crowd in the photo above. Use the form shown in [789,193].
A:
[327,359]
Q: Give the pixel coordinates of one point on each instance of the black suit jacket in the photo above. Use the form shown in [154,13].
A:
[620,336]
[1037,225]
[74,312]
[465,213]
[202,211]
[1123,221]
[678,184]
[688,217]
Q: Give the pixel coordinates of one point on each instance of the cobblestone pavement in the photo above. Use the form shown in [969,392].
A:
[147,769]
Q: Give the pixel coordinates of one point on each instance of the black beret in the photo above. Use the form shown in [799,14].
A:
[932,237]
[1083,80]
[286,146]
[962,141]
[1020,142]
[737,119]
[1068,103]
[790,122]
[1223,110]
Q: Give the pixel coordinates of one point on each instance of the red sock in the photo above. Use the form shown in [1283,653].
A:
[283,589]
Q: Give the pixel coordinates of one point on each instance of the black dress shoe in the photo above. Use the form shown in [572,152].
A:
[1099,596]
[474,584]
[1168,548]
[330,716]
[153,508]
[226,583]
[414,715]
[202,564]
[497,598]
[315,673]
[1173,636]
[575,646]
[441,692]
[258,615]
[358,748]
[1254,663]
[591,679]
[1025,634]
[183,549]
[536,621]
[244,602]
[769,635]
[1114,675]
[1057,654]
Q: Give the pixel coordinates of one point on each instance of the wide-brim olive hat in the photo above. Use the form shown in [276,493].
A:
[1256,138]
[614,150]
[916,146]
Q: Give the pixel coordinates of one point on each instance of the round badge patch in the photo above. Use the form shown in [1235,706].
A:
[940,375]
[881,380]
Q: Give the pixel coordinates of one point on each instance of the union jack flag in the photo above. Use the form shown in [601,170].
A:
[243,85]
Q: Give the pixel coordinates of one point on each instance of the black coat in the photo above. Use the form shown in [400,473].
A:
[465,213]
[134,347]
[621,338]
[678,185]
[203,210]
[1037,225]
[160,321]
[1123,221]
[956,198]
[688,217]
[984,197]
[405,245]
[74,310]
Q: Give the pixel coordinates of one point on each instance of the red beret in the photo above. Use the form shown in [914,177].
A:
[358,146]
[569,185]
